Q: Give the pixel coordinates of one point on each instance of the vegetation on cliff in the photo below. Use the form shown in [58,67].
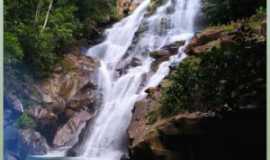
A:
[229,75]
[37,33]
[25,121]
[213,103]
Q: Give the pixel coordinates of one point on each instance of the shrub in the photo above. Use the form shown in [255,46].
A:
[25,121]
[224,11]
[12,48]
[95,13]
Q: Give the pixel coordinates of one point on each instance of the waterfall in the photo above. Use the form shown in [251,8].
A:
[122,84]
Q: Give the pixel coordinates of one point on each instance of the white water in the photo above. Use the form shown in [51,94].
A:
[171,22]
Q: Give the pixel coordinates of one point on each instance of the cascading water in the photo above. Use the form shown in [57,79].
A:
[121,83]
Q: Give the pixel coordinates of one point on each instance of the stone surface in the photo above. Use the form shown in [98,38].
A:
[197,135]
[70,130]
[16,104]
[59,105]
[165,53]
[35,143]
[77,74]
[40,113]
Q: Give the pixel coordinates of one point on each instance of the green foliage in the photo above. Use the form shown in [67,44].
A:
[224,11]
[231,76]
[261,12]
[152,117]
[30,40]
[33,42]
[173,99]
[95,13]
[98,11]
[12,49]
[25,121]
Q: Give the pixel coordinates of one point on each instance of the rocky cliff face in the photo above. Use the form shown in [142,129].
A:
[194,135]
[59,106]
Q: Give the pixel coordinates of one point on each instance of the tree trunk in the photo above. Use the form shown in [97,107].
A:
[38,11]
[47,16]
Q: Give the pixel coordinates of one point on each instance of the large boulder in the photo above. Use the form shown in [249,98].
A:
[40,113]
[69,131]
[35,143]
[164,53]
[74,75]
[203,41]
[69,90]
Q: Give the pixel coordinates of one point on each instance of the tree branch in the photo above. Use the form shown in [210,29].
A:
[47,16]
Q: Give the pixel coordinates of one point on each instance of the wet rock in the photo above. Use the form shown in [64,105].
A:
[45,119]
[123,67]
[154,4]
[160,56]
[84,99]
[40,113]
[208,39]
[138,123]
[143,27]
[69,113]
[68,132]
[124,157]
[164,54]
[15,103]
[151,91]
[135,62]
[34,142]
[11,115]
[173,48]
